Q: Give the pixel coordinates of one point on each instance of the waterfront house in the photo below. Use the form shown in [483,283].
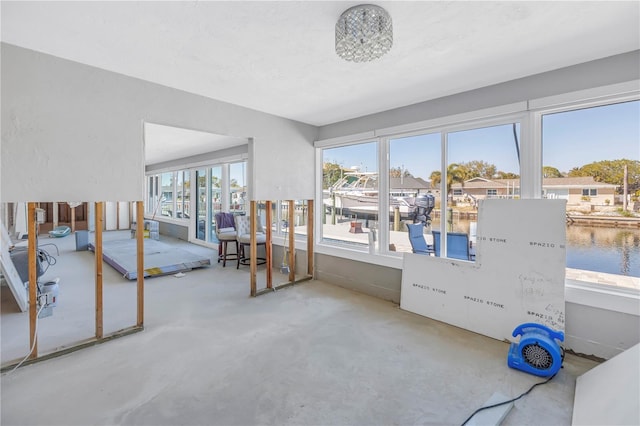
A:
[576,190]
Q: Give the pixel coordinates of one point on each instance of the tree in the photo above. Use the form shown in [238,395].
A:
[507,175]
[397,172]
[435,178]
[479,168]
[551,172]
[331,173]
[611,171]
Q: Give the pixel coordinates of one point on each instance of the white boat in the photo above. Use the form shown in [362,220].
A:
[357,193]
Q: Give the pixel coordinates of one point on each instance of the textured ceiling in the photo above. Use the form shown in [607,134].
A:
[278,57]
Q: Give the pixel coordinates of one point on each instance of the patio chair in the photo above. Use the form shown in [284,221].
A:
[457,245]
[416,238]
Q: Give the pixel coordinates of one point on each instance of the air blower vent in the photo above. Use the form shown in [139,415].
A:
[537,353]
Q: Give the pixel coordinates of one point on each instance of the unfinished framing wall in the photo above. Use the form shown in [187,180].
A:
[253,214]
[35,304]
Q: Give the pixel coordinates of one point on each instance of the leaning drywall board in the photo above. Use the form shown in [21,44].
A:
[518,275]
[620,404]
[10,273]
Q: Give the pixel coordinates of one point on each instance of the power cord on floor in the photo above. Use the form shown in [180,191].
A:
[514,399]
[35,340]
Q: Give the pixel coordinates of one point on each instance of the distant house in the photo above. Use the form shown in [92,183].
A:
[408,186]
[575,190]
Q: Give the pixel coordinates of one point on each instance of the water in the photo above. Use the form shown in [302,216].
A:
[600,249]
[596,248]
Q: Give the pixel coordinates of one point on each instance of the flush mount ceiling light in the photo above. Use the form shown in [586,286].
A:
[363,33]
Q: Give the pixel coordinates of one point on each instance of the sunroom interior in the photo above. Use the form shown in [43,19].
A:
[156,123]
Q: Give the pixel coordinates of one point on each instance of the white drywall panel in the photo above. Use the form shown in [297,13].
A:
[518,275]
[609,394]
[70,131]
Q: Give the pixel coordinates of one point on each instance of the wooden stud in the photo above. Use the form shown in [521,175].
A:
[310,237]
[292,242]
[33,278]
[56,215]
[73,218]
[253,246]
[98,258]
[268,246]
[140,260]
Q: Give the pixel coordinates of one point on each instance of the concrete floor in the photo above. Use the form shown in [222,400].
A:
[312,354]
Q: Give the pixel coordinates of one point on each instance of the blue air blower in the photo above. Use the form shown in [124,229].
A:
[537,352]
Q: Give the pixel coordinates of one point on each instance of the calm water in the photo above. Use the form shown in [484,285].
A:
[612,250]
[599,249]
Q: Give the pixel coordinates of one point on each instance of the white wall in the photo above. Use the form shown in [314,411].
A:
[602,72]
[74,132]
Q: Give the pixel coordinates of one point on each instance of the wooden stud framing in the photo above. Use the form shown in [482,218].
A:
[140,260]
[33,283]
[98,259]
[310,237]
[73,218]
[56,215]
[290,246]
[268,246]
[253,251]
[292,242]
[33,278]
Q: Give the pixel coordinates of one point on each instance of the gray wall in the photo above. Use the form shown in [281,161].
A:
[75,132]
[611,70]
[375,280]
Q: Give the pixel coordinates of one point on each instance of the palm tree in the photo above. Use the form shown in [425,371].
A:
[456,173]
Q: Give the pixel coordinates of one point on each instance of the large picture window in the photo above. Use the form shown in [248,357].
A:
[585,154]
[350,194]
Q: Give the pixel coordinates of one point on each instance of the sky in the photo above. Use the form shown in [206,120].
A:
[570,139]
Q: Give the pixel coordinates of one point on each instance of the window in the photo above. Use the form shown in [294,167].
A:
[576,152]
[237,187]
[216,187]
[215,200]
[585,151]
[481,162]
[350,194]
[183,194]
[201,204]
[166,194]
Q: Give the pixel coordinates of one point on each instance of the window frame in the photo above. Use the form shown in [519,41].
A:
[529,113]
[507,114]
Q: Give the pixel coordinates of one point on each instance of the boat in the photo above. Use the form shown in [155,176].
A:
[356,193]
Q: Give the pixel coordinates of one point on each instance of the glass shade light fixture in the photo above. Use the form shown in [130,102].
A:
[363,33]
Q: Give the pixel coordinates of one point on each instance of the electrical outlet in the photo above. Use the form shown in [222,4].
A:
[41,216]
